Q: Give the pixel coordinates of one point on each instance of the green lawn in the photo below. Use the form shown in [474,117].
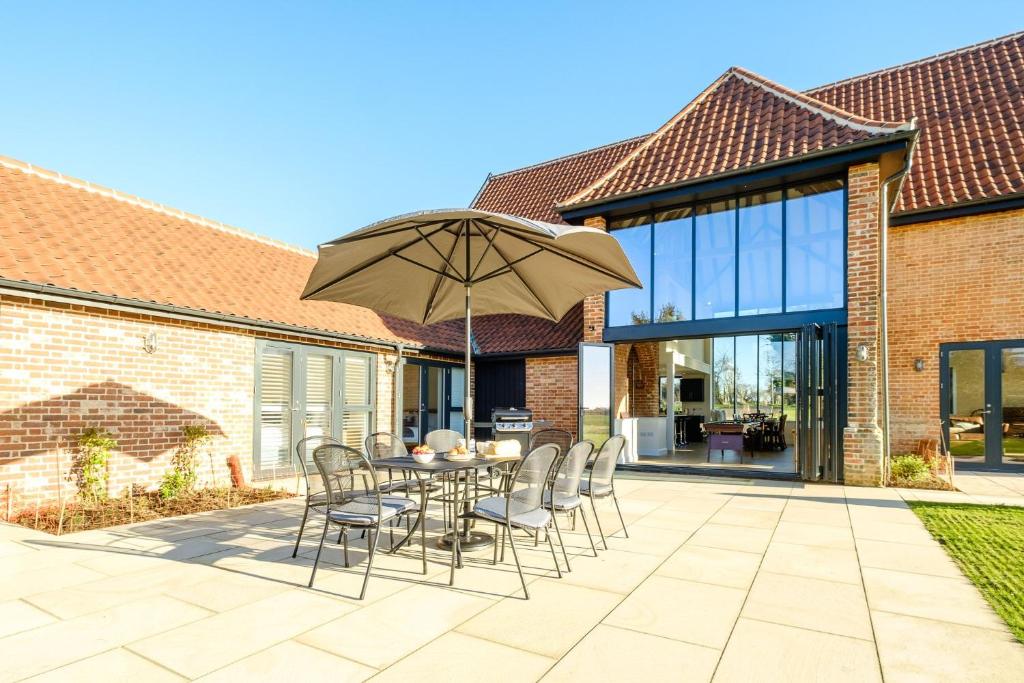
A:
[596,428]
[987,541]
[1013,447]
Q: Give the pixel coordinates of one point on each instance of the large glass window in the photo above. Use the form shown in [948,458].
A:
[715,260]
[723,378]
[760,254]
[746,375]
[815,275]
[633,306]
[673,265]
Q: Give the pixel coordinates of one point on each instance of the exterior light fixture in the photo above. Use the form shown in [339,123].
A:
[862,352]
[919,364]
[149,343]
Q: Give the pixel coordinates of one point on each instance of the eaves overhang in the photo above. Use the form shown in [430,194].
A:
[806,166]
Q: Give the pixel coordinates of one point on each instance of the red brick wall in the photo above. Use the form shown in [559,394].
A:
[636,384]
[949,281]
[552,390]
[862,438]
[593,306]
[65,368]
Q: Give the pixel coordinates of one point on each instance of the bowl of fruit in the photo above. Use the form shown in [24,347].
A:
[423,454]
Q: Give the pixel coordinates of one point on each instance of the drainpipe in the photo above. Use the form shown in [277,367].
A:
[398,388]
[883,301]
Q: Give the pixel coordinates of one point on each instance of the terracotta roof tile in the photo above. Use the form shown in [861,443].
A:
[742,120]
[969,105]
[72,234]
[533,191]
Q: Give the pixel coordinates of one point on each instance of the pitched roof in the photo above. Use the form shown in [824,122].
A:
[74,235]
[533,191]
[740,121]
[969,105]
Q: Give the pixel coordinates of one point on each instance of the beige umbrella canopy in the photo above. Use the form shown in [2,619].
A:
[431,266]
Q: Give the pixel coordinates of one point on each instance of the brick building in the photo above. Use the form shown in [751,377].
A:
[764,222]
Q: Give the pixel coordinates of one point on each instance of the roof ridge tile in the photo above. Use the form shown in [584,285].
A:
[118,195]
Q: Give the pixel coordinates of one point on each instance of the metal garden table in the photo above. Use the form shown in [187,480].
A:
[440,467]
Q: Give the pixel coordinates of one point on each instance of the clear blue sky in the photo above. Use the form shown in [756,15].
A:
[306,120]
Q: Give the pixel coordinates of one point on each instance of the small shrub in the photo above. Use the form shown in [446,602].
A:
[90,466]
[909,469]
[182,477]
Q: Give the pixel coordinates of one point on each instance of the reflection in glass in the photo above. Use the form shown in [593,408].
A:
[411,404]
[760,254]
[769,371]
[746,375]
[673,263]
[434,398]
[633,306]
[723,378]
[1013,403]
[595,393]
[967,408]
[815,275]
[458,394]
[715,260]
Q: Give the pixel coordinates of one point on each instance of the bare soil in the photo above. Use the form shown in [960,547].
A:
[139,507]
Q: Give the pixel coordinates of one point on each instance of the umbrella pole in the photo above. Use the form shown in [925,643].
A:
[467,404]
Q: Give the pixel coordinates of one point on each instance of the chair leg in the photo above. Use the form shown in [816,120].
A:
[519,567]
[554,519]
[319,549]
[615,500]
[554,557]
[345,540]
[586,526]
[593,506]
[305,514]
[496,532]
[502,544]
[369,561]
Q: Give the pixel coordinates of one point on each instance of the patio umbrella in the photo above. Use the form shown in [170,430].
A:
[446,264]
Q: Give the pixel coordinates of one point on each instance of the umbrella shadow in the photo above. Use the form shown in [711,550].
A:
[145,426]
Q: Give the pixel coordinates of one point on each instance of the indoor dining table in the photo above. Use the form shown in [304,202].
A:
[440,467]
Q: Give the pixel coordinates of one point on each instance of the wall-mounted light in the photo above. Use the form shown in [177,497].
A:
[919,364]
[149,343]
[862,352]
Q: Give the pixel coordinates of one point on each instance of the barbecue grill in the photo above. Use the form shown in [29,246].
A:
[512,423]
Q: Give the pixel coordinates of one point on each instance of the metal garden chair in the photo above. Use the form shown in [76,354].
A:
[601,482]
[563,495]
[523,506]
[347,507]
[559,437]
[316,497]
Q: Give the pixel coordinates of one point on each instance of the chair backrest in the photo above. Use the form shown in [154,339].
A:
[782,423]
[442,440]
[300,455]
[338,466]
[531,478]
[604,464]
[570,469]
[385,445]
[559,437]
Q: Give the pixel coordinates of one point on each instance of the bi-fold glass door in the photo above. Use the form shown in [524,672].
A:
[982,397]
[432,398]
[821,401]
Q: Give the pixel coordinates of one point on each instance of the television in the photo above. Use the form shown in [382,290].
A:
[691,389]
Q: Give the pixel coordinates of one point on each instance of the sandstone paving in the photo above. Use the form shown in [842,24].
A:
[724,580]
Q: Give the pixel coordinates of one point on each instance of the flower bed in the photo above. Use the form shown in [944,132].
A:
[138,507]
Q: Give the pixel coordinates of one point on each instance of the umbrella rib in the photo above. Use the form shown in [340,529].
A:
[576,259]
[440,273]
[368,264]
[529,289]
[446,259]
[507,267]
[490,243]
[437,285]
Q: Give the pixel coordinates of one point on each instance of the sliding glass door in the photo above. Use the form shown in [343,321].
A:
[982,395]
